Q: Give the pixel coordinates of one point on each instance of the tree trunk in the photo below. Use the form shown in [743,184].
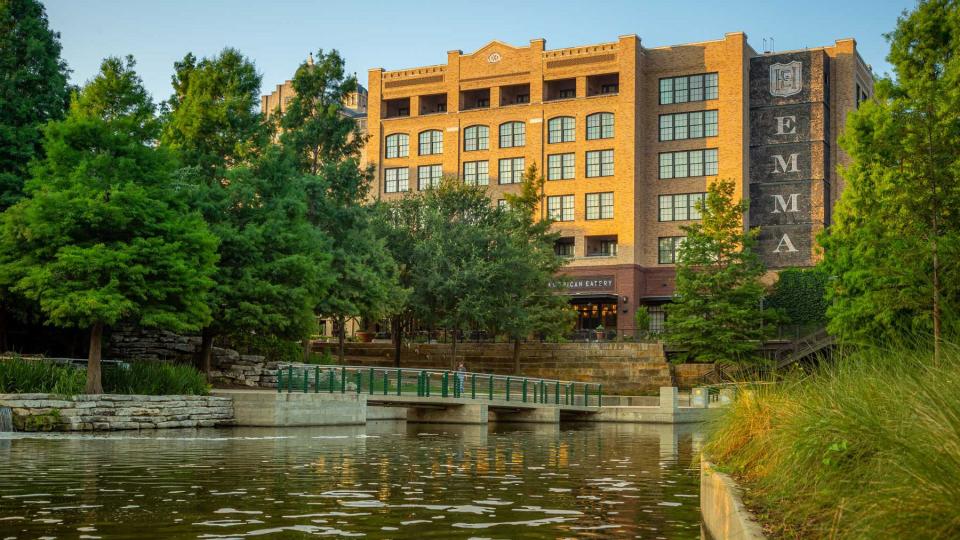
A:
[305,345]
[516,356]
[936,306]
[453,351]
[206,351]
[3,328]
[341,336]
[94,384]
[397,340]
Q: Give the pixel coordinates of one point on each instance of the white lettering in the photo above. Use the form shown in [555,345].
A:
[785,241]
[788,205]
[781,165]
[786,125]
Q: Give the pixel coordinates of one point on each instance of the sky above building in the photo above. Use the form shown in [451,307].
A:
[278,34]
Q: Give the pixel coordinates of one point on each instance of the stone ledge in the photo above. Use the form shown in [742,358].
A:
[721,507]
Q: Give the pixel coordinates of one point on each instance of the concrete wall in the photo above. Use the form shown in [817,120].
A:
[49,412]
[722,510]
[270,408]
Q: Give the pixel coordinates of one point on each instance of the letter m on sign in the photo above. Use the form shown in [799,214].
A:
[785,165]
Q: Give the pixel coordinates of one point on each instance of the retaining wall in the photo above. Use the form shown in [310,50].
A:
[49,412]
[722,511]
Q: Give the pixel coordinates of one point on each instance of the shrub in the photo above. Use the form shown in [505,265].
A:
[868,447]
[273,349]
[154,378]
[800,295]
[19,376]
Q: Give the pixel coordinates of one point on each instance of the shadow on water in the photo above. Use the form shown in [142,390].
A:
[387,479]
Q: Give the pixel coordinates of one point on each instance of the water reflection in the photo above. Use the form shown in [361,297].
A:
[383,480]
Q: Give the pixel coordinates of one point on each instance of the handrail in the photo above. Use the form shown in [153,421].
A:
[436,383]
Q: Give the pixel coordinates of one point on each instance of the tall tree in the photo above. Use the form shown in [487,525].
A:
[33,90]
[103,235]
[273,264]
[894,248]
[325,144]
[716,314]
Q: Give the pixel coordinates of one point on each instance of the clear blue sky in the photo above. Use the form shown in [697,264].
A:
[278,34]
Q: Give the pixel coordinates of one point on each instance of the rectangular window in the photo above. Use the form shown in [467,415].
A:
[502,203]
[476,138]
[689,163]
[511,170]
[561,129]
[476,173]
[600,205]
[563,248]
[689,88]
[560,207]
[667,249]
[428,176]
[599,163]
[691,125]
[560,167]
[680,207]
[396,180]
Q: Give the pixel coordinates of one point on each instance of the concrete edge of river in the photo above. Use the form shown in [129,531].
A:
[721,507]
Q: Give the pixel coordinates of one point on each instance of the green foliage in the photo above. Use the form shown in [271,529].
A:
[271,347]
[716,314]
[801,295]
[866,447]
[19,376]
[894,246]
[322,359]
[155,379]
[33,90]
[641,319]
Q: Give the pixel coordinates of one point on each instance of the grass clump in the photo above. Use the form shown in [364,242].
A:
[19,376]
[867,447]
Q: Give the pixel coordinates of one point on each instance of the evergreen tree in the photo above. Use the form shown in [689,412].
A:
[103,235]
[894,247]
[33,90]
[716,314]
[273,266]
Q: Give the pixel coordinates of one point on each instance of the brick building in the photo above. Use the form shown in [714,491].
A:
[628,138]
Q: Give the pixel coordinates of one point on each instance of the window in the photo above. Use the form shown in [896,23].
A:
[511,170]
[692,125]
[599,163]
[680,207]
[561,129]
[396,180]
[606,248]
[599,126]
[398,145]
[668,247]
[689,163]
[689,88]
[600,205]
[476,173]
[564,247]
[512,134]
[476,138]
[567,93]
[431,142]
[560,167]
[560,208]
[428,176]
[503,203]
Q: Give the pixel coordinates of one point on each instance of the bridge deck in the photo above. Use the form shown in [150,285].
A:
[494,404]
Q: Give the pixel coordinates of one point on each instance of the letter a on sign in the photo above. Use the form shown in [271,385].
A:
[785,242]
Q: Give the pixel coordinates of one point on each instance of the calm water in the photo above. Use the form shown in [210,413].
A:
[385,480]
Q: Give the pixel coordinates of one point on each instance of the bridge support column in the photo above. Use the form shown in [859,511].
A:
[538,415]
[451,414]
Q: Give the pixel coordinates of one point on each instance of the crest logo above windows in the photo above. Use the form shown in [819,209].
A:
[494,58]
[786,79]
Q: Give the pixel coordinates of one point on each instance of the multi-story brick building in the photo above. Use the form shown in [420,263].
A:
[628,138]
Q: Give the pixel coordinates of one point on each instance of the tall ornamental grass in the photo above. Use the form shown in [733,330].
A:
[19,376]
[867,447]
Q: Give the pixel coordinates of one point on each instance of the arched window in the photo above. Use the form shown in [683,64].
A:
[512,134]
[476,138]
[561,129]
[431,142]
[398,145]
[600,126]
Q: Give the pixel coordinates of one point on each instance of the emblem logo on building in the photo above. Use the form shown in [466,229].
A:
[493,58]
[786,79]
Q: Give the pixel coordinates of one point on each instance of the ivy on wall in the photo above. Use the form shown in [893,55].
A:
[800,295]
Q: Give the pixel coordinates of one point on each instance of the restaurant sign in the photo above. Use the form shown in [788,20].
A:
[583,284]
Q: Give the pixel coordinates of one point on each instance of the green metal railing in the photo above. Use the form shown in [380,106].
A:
[427,383]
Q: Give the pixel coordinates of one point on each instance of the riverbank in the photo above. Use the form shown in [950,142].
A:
[868,447]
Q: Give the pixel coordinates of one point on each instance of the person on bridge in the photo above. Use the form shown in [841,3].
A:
[461,375]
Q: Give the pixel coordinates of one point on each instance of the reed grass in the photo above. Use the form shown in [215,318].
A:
[19,376]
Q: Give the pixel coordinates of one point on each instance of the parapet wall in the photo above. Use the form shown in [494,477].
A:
[50,412]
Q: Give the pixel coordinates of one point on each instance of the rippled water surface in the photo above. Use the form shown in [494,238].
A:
[384,480]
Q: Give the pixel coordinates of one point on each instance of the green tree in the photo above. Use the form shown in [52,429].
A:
[33,90]
[103,235]
[716,314]
[895,243]
[325,144]
[524,287]
[800,294]
[273,266]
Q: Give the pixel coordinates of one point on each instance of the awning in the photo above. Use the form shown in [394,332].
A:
[592,296]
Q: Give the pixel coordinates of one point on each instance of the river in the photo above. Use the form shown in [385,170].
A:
[383,480]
